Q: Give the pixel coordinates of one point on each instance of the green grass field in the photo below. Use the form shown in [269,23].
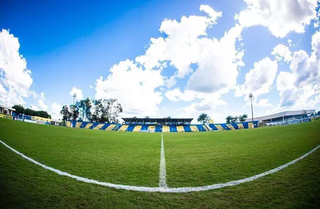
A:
[192,159]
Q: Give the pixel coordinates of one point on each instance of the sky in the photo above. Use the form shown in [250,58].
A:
[161,58]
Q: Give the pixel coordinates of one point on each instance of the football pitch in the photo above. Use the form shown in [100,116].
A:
[141,160]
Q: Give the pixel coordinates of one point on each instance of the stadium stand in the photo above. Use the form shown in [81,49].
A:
[158,129]
[137,128]
[187,128]
[201,128]
[123,128]
[144,128]
[130,127]
[163,126]
[194,128]
[110,127]
[180,129]
[152,129]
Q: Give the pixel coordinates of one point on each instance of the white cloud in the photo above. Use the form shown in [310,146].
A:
[282,52]
[218,62]
[179,48]
[42,96]
[90,86]
[281,17]
[259,79]
[134,87]
[55,110]
[186,43]
[76,91]
[299,85]
[15,78]
[177,95]
[42,105]
[34,107]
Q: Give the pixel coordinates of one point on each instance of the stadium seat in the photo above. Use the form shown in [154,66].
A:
[180,129]
[104,126]
[137,128]
[130,127]
[144,128]
[158,128]
[194,128]
[230,126]
[123,128]
[165,128]
[173,128]
[187,128]
[110,127]
[152,129]
[201,128]
[240,126]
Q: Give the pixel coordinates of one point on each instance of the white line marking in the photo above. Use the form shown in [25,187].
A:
[162,173]
[160,189]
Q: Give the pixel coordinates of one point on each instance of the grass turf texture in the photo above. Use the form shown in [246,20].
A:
[193,159]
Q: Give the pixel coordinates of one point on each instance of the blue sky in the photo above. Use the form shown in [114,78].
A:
[162,58]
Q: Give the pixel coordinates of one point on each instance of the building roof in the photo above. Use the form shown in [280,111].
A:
[158,120]
[283,114]
[9,108]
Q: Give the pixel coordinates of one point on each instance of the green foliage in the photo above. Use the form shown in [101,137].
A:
[228,119]
[234,119]
[203,118]
[65,112]
[19,109]
[104,110]
[243,117]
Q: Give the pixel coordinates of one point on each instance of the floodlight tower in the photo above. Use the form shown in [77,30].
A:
[74,97]
[251,96]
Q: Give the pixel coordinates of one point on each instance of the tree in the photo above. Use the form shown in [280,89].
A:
[204,118]
[96,107]
[74,112]
[243,117]
[228,119]
[66,114]
[84,107]
[19,109]
[29,111]
[234,119]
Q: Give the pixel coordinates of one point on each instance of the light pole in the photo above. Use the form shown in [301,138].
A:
[74,97]
[251,96]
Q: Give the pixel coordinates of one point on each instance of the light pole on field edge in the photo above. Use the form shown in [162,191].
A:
[74,97]
[251,96]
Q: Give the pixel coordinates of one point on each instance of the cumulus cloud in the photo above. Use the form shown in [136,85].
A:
[179,49]
[281,17]
[259,79]
[186,43]
[218,62]
[34,107]
[15,78]
[55,111]
[76,91]
[282,52]
[296,87]
[135,88]
[42,105]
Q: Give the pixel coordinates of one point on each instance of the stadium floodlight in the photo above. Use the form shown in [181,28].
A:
[74,97]
[251,96]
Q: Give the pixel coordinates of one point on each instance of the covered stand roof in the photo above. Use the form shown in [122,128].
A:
[158,120]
